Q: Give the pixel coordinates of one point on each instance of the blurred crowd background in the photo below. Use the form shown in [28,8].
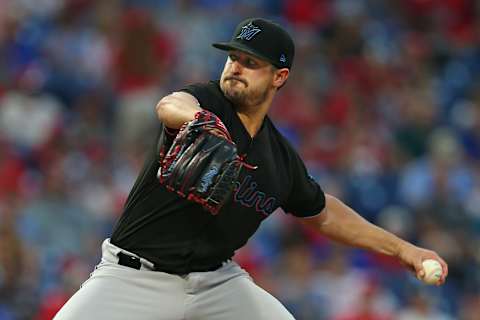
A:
[383,104]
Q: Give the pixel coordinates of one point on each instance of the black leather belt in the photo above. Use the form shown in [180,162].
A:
[129,261]
[134,262]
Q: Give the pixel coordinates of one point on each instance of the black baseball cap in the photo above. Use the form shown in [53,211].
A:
[264,39]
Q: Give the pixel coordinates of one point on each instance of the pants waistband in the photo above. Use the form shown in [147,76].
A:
[112,253]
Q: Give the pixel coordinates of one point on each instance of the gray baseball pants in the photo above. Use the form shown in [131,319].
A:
[118,292]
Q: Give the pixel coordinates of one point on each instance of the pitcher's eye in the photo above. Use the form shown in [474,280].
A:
[251,63]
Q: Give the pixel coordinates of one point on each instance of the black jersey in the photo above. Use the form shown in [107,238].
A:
[179,236]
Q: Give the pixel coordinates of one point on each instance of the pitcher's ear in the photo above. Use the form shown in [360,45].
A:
[280,76]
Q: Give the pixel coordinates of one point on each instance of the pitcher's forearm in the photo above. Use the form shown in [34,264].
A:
[340,223]
[176,109]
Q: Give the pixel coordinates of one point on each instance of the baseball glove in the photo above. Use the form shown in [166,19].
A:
[202,163]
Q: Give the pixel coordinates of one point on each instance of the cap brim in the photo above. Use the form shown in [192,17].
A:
[227,46]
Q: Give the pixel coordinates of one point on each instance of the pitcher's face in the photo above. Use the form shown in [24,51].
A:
[246,79]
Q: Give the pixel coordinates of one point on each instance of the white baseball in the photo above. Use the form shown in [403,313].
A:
[433,271]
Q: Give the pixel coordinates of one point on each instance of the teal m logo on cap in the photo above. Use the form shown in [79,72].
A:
[248,32]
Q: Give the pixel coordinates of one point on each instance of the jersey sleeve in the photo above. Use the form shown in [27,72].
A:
[205,94]
[306,197]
